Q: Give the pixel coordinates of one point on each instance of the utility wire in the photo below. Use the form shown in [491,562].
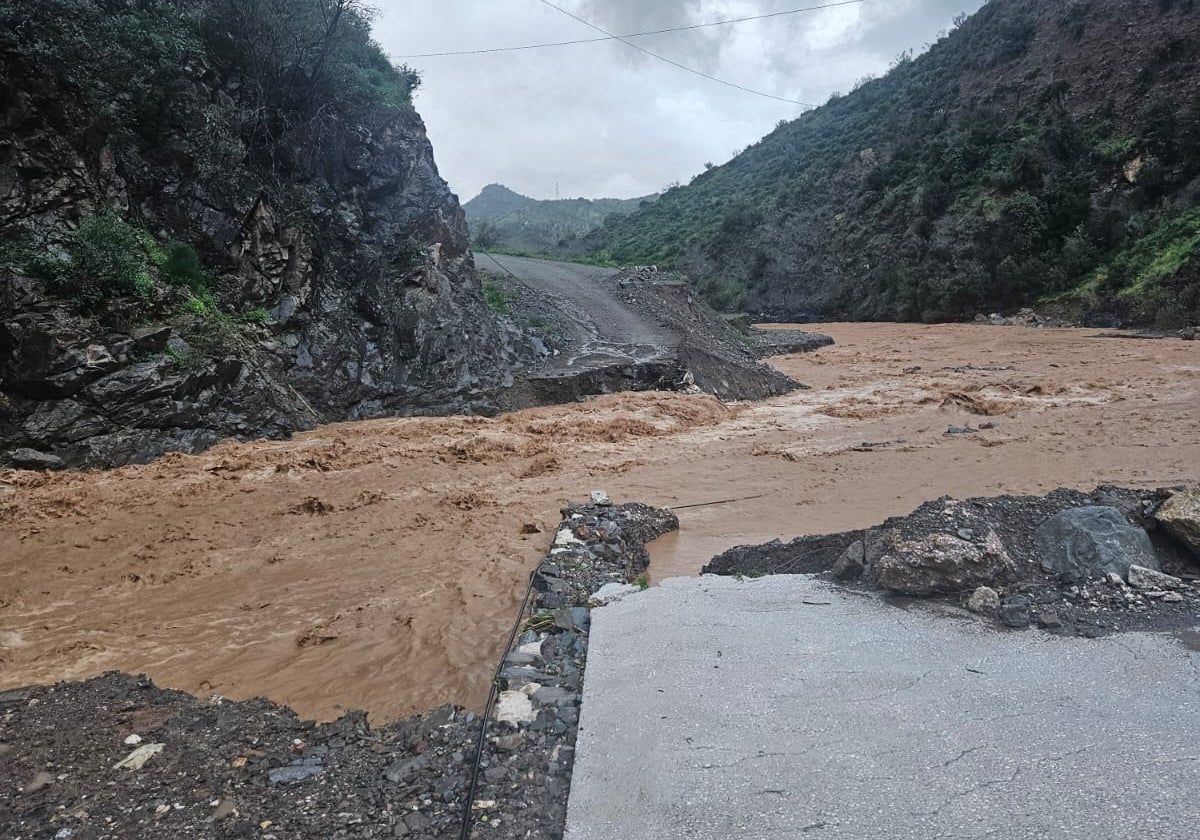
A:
[672,62]
[635,34]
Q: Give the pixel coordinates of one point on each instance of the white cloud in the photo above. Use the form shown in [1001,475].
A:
[604,119]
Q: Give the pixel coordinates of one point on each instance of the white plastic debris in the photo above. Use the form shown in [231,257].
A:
[133,740]
[137,759]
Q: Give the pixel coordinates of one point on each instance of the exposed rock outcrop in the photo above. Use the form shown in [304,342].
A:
[344,287]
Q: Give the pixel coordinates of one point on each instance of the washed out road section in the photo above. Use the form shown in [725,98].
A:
[784,708]
[379,564]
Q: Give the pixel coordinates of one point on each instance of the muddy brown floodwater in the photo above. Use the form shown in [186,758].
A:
[378,565]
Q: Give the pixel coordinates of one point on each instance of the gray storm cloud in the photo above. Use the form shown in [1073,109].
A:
[602,119]
[627,16]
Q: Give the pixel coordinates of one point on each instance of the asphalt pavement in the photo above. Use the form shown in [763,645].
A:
[785,708]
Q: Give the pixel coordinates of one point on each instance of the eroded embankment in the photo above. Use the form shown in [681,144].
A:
[598,331]
[1072,563]
[378,565]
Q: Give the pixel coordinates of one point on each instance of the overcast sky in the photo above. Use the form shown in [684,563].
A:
[604,120]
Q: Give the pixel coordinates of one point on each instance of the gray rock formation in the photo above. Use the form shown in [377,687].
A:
[1090,542]
[356,268]
[1148,579]
[984,600]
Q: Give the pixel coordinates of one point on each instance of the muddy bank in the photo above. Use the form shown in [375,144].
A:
[1060,561]
[377,565]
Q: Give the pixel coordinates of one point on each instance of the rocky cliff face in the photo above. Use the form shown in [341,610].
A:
[343,284]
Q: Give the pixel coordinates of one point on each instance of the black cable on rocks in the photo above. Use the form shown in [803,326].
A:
[503,267]
[491,703]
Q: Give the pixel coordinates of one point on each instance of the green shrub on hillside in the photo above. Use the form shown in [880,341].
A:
[105,258]
[304,68]
[498,299]
[108,258]
[123,57]
[182,267]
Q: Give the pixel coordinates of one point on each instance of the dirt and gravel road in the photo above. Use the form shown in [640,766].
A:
[600,329]
[604,331]
[379,564]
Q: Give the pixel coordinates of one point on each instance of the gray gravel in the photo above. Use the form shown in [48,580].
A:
[786,708]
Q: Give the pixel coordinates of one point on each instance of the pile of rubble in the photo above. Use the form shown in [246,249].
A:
[598,553]
[1069,562]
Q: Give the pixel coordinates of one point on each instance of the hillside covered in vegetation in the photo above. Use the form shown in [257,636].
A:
[220,218]
[1043,153]
[502,218]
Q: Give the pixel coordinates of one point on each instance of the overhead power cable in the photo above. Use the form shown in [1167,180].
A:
[647,33]
[672,62]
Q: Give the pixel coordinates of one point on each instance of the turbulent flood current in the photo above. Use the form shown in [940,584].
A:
[378,565]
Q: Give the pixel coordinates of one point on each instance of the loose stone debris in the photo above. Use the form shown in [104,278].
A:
[1068,562]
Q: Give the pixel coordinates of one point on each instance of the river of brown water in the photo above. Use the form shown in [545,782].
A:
[378,565]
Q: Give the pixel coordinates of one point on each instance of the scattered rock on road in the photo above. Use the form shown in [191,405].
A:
[1016,611]
[984,600]
[1143,578]
[1092,607]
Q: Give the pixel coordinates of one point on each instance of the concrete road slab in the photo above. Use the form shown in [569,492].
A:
[785,708]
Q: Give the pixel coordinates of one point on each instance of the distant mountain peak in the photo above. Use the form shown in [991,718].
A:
[508,219]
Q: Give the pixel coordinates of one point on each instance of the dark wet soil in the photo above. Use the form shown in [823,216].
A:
[225,769]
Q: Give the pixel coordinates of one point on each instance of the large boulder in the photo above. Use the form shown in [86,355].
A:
[1180,516]
[1089,542]
[943,563]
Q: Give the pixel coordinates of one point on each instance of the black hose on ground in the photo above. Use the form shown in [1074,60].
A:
[487,711]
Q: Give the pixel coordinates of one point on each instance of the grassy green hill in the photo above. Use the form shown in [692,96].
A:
[1042,153]
[501,218]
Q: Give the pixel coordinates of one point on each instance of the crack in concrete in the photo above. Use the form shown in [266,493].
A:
[992,782]
[967,792]
[761,754]
[962,755]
